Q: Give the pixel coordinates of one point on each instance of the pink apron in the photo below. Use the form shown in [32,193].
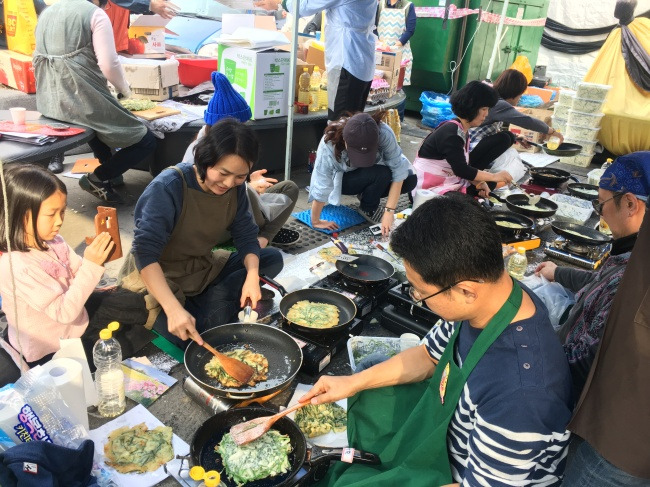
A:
[436,174]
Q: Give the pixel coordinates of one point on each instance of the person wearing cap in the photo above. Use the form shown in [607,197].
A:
[359,155]
[622,196]
[444,162]
[182,215]
[349,50]
[271,202]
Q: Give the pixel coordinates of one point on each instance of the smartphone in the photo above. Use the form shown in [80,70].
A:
[106,221]
[58,126]
[375,229]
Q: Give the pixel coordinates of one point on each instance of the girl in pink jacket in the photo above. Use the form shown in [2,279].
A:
[44,285]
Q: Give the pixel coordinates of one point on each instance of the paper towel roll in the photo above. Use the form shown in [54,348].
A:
[422,195]
[66,374]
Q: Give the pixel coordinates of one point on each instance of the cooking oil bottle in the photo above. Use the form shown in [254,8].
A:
[303,86]
[109,378]
[554,141]
[314,90]
[517,264]
[322,94]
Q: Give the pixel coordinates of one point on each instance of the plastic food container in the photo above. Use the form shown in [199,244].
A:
[588,146]
[572,209]
[561,110]
[362,347]
[559,123]
[582,133]
[592,91]
[587,106]
[194,70]
[566,97]
[583,160]
[585,119]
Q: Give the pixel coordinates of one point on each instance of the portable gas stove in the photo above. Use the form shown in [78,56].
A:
[585,256]
[366,296]
[402,315]
[527,240]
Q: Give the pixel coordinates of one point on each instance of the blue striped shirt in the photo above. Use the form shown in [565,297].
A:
[509,428]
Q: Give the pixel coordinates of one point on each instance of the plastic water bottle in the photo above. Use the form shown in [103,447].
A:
[303,86]
[314,90]
[517,264]
[109,378]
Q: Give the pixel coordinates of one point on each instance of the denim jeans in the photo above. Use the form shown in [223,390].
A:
[218,304]
[373,183]
[589,469]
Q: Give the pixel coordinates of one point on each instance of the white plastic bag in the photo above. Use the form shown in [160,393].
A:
[555,297]
[511,162]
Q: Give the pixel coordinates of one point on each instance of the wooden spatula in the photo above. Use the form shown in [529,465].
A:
[236,369]
[243,433]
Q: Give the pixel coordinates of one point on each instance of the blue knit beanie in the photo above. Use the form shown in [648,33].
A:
[225,102]
[629,174]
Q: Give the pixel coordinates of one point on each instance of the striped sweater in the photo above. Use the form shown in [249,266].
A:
[509,428]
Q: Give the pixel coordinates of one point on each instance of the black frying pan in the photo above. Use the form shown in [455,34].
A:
[282,352]
[518,202]
[366,269]
[584,191]
[550,177]
[347,308]
[525,223]
[211,432]
[584,235]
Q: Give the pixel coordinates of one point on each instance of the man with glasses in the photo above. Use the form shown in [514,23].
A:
[622,195]
[486,398]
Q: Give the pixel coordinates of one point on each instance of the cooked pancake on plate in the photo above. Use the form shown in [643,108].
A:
[318,419]
[139,449]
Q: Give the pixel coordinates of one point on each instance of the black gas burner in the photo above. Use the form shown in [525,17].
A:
[402,315]
[585,256]
[366,296]
[577,248]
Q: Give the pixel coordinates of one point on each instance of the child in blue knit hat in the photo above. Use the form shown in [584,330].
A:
[622,195]
[271,202]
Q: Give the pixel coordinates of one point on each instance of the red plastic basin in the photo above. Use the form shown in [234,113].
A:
[194,70]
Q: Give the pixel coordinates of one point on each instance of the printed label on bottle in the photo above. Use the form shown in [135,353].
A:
[30,427]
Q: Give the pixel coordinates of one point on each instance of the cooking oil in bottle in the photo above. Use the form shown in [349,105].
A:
[554,142]
[314,90]
[303,86]
[517,264]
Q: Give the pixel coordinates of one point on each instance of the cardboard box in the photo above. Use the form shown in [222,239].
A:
[16,71]
[150,79]
[261,76]
[530,135]
[316,55]
[147,36]
[390,63]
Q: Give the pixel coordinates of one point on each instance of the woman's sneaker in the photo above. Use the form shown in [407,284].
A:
[286,236]
[99,189]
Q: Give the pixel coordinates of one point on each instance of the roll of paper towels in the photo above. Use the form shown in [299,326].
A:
[66,375]
[422,195]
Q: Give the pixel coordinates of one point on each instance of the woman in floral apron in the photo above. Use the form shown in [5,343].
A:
[444,162]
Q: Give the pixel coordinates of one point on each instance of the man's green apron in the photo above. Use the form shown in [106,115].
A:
[407,425]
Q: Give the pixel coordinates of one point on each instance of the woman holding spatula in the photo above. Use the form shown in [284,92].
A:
[182,215]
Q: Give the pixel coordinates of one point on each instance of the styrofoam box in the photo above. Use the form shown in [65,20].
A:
[566,97]
[588,146]
[592,91]
[559,123]
[587,106]
[584,119]
[361,347]
[581,133]
[571,209]
[561,110]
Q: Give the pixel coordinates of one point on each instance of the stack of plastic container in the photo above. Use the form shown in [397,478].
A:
[583,121]
[561,110]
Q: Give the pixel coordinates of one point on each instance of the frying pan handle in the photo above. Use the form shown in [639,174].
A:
[274,284]
[496,196]
[573,178]
[319,455]
[240,397]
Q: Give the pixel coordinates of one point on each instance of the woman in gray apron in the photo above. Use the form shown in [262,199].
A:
[184,213]
[74,57]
